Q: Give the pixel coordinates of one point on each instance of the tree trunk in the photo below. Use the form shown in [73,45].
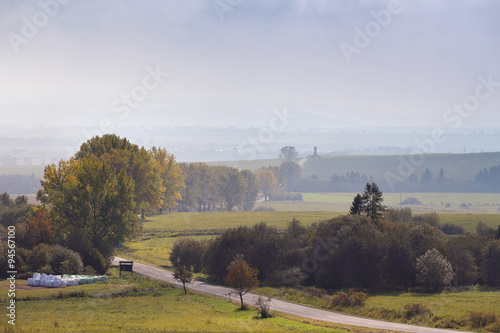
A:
[184,285]
[241,299]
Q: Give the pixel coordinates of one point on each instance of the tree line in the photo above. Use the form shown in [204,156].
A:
[351,251]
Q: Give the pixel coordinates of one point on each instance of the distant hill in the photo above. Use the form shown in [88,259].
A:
[459,166]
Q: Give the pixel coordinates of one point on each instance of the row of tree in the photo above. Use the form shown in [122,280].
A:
[227,188]
[350,251]
[486,180]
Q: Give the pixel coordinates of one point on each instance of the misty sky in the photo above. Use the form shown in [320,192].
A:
[231,62]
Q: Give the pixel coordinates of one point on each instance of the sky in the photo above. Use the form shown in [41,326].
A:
[239,63]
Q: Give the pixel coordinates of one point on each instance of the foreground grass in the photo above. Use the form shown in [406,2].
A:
[160,309]
[450,309]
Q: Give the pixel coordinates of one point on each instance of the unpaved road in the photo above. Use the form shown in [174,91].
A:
[282,306]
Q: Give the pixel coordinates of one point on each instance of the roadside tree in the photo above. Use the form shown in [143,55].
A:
[242,278]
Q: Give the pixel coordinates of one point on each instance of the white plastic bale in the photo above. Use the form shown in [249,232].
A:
[36,275]
[36,282]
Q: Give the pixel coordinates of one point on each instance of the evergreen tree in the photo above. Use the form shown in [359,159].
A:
[357,205]
[373,198]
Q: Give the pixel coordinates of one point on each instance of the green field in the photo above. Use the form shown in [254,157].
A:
[453,203]
[161,231]
[23,170]
[449,309]
[161,309]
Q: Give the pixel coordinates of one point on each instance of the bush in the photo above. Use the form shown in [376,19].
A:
[416,310]
[96,260]
[481,319]
[434,271]
[190,251]
[39,257]
[452,229]
[350,299]
[411,201]
[263,307]
[65,261]
[264,209]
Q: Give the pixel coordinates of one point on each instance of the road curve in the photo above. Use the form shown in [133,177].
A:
[282,306]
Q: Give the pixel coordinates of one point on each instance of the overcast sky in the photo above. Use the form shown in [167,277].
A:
[231,62]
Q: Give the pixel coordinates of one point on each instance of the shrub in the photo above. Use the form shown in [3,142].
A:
[264,209]
[411,201]
[452,229]
[190,251]
[350,299]
[39,257]
[481,319]
[263,307]
[96,260]
[416,310]
[65,261]
[434,271]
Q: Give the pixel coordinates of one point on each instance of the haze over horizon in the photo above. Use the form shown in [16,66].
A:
[231,63]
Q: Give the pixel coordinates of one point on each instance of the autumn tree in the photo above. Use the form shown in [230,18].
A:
[241,277]
[268,183]
[138,163]
[88,195]
[183,275]
[40,228]
[170,174]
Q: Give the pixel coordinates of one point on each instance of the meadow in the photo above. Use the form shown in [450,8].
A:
[148,306]
[452,203]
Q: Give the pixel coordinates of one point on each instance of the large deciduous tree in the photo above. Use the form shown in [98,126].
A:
[170,174]
[88,195]
[137,162]
[268,183]
[232,187]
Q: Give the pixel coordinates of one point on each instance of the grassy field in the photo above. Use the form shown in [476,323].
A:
[160,232]
[160,309]
[23,170]
[449,309]
[453,203]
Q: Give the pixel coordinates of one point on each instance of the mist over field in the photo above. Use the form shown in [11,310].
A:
[225,80]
